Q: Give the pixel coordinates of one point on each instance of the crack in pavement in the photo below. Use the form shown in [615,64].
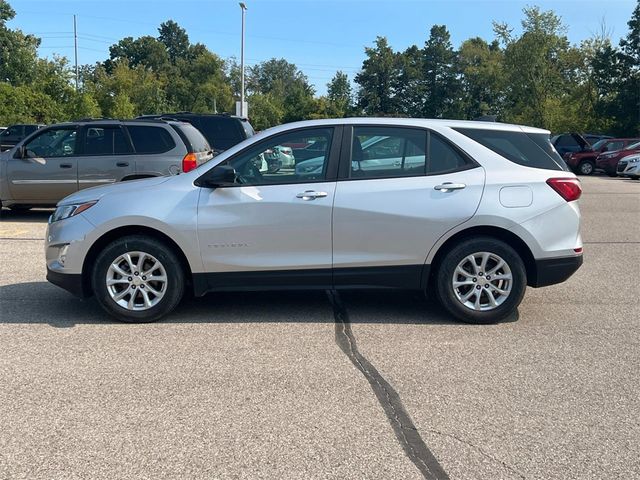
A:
[400,420]
[480,450]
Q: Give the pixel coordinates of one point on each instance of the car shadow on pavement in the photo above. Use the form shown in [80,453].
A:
[28,216]
[43,303]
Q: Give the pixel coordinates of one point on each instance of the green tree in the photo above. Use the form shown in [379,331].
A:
[627,104]
[440,84]
[377,79]
[338,95]
[481,66]
[175,39]
[18,52]
[264,111]
[147,51]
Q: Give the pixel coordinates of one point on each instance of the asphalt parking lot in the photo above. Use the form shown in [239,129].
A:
[314,385]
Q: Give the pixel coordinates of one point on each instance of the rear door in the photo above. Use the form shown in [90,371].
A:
[105,155]
[392,204]
[49,171]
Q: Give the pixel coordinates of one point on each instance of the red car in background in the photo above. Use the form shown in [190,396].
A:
[608,161]
[584,163]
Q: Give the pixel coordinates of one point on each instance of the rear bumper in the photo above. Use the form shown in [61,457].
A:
[550,271]
[71,282]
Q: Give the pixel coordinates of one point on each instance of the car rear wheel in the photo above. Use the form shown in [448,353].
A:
[585,168]
[481,280]
[138,279]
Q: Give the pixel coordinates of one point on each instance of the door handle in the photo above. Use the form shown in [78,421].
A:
[66,165]
[122,164]
[449,187]
[311,195]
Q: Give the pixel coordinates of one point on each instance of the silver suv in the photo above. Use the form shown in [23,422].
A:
[59,160]
[471,211]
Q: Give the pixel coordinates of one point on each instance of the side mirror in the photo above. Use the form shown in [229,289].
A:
[218,176]
[21,152]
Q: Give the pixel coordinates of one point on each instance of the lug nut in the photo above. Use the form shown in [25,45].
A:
[136,273]
[488,277]
[480,274]
[130,278]
[486,286]
[141,286]
[133,287]
[144,278]
[475,279]
[478,287]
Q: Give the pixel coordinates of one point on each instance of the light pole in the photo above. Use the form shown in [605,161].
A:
[243,113]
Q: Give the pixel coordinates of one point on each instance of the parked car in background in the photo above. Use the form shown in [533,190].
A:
[2,129]
[575,142]
[629,166]
[221,131]
[13,134]
[61,159]
[480,212]
[584,163]
[608,161]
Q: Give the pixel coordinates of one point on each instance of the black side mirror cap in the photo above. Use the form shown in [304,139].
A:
[218,176]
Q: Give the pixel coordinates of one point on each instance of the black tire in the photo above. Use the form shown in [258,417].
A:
[635,177]
[151,246]
[586,168]
[445,274]
[20,208]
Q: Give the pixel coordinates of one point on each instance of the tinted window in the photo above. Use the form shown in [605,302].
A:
[443,157]
[13,131]
[611,146]
[54,142]
[105,141]
[379,152]
[222,133]
[192,136]
[271,162]
[29,129]
[566,141]
[633,146]
[148,139]
[530,150]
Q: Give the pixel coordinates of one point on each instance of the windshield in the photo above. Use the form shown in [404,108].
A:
[633,146]
[598,144]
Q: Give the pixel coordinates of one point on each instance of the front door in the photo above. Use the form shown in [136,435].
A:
[273,229]
[392,204]
[106,156]
[48,172]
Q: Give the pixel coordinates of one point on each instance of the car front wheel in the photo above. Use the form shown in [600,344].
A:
[481,280]
[138,279]
[585,168]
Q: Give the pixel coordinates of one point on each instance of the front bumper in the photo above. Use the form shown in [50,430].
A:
[550,271]
[71,282]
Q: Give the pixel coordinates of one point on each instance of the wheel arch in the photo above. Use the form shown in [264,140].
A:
[124,231]
[508,237]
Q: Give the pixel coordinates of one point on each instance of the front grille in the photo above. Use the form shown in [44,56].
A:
[622,166]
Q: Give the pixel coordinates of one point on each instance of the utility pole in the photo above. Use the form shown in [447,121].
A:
[75,46]
[243,113]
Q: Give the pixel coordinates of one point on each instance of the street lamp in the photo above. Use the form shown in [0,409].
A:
[243,113]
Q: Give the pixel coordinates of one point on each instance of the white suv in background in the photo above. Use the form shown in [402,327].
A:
[472,211]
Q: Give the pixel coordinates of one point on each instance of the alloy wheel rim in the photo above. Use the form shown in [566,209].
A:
[136,281]
[482,281]
[587,168]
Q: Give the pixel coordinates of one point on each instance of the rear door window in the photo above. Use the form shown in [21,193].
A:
[193,138]
[443,158]
[528,149]
[149,139]
[105,140]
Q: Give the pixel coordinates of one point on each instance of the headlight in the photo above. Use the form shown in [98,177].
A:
[634,160]
[66,211]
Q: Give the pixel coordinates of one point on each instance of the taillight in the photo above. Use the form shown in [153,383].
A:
[567,188]
[189,162]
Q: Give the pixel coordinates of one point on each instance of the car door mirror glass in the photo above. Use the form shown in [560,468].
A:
[218,176]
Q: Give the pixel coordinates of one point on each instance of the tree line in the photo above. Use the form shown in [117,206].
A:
[534,77]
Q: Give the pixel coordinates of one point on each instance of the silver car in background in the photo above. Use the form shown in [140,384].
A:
[61,159]
[473,212]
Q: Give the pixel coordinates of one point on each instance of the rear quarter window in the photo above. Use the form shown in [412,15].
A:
[528,149]
[149,139]
[222,133]
[192,137]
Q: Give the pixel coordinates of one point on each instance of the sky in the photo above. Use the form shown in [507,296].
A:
[320,37]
